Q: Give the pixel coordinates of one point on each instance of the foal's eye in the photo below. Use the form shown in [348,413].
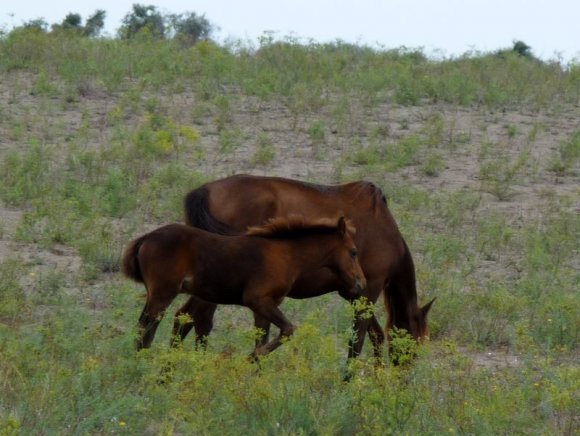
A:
[353,253]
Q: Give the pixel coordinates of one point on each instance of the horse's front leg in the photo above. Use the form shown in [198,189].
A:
[362,323]
[356,342]
[377,336]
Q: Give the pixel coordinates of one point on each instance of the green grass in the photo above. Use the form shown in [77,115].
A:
[76,367]
[567,157]
[499,172]
[265,151]
[298,389]
[128,152]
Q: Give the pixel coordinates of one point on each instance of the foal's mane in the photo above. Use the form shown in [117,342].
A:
[296,225]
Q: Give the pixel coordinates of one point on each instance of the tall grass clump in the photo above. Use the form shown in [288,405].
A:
[26,175]
[566,158]
[499,171]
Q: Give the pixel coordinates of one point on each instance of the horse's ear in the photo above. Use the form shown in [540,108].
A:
[341,226]
[425,309]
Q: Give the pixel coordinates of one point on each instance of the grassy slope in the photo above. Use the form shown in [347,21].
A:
[479,158]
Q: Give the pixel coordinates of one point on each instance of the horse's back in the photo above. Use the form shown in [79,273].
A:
[239,201]
[244,200]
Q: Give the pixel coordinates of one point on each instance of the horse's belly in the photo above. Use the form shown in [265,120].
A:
[218,296]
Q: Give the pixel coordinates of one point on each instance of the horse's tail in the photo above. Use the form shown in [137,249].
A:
[131,267]
[402,287]
[197,213]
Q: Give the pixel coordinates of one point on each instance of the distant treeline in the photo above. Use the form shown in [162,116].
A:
[142,21]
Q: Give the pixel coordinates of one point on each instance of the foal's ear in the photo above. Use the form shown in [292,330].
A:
[341,226]
[425,309]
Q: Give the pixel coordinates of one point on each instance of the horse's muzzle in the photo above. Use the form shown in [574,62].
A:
[359,285]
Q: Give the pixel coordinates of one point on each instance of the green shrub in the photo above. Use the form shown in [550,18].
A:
[316,132]
[265,152]
[25,175]
[493,235]
[433,164]
[499,174]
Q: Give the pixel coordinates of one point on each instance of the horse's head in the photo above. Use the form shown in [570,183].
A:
[415,325]
[420,328]
[345,261]
[415,321]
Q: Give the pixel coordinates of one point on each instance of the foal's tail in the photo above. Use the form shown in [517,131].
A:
[197,213]
[131,267]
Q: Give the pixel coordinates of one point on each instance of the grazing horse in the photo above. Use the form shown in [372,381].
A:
[228,206]
[256,270]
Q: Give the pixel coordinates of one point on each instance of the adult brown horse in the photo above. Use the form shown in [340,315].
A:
[256,270]
[228,206]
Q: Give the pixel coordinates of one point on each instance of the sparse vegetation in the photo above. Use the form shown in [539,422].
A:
[567,157]
[499,172]
[265,152]
[433,165]
[99,144]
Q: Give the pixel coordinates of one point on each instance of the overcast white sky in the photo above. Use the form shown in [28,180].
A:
[451,26]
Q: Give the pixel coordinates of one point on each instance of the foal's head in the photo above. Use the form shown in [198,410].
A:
[344,260]
[338,243]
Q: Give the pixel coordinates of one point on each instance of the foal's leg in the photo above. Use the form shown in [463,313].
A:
[151,316]
[267,307]
[264,325]
[200,314]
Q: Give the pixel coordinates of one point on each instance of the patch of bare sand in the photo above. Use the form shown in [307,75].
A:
[494,360]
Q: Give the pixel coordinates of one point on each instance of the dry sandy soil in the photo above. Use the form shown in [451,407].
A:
[297,156]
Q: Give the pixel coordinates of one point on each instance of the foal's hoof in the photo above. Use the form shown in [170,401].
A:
[379,362]
[166,374]
[254,358]
[347,377]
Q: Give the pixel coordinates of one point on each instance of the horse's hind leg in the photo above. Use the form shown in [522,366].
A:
[199,314]
[151,317]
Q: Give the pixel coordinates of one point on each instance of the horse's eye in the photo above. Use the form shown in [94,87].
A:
[353,253]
